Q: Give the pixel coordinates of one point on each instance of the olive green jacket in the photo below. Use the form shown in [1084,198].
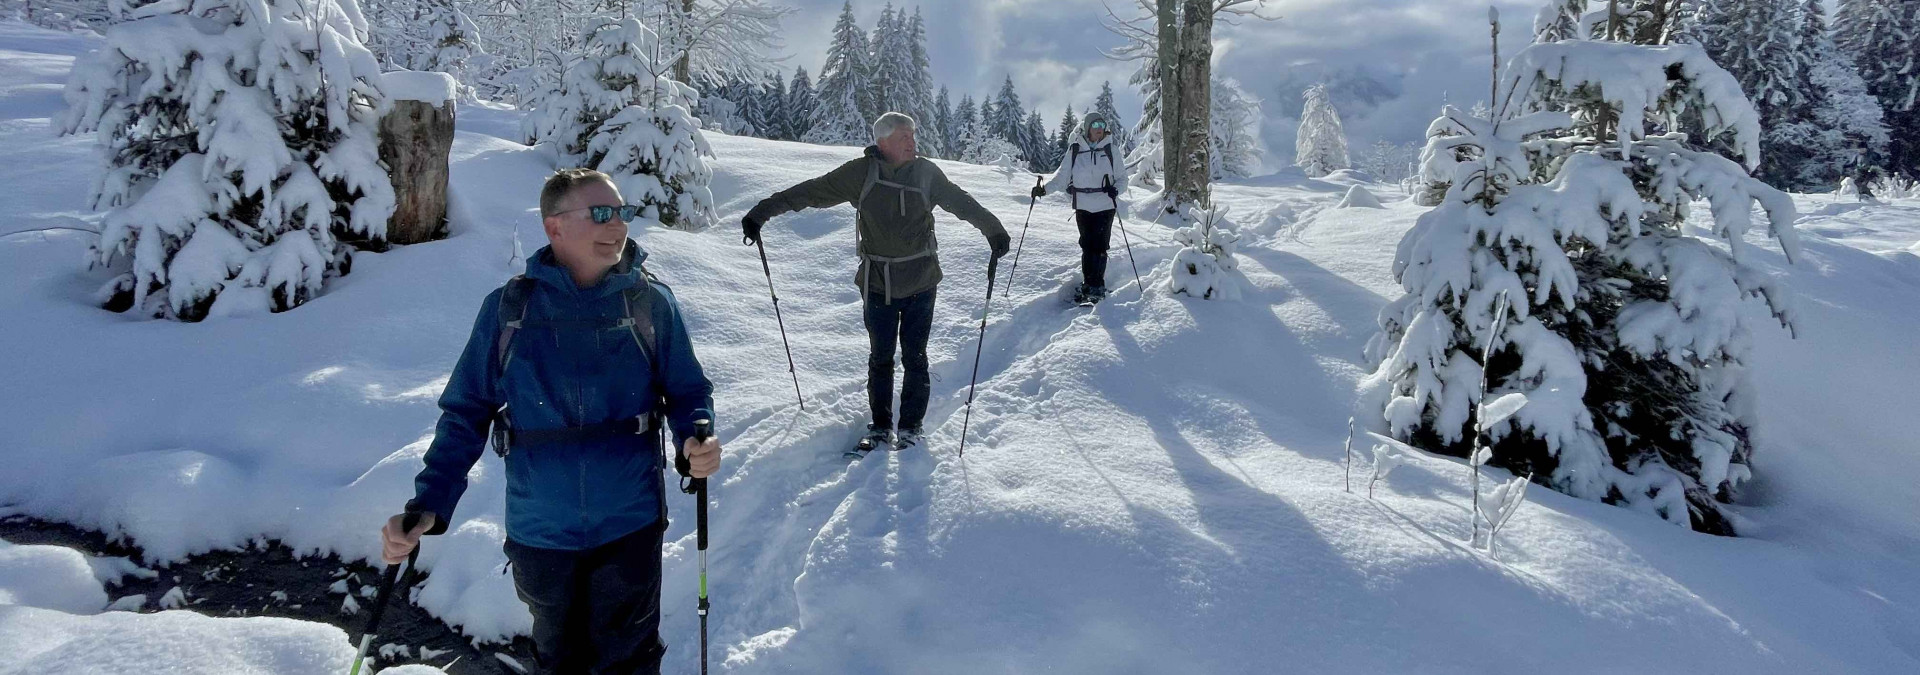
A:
[894,226]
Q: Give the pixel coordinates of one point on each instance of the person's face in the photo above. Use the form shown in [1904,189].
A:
[581,244]
[899,148]
[1095,134]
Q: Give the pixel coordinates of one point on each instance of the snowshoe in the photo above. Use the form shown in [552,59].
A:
[876,437]
[907,438]
[1088,296]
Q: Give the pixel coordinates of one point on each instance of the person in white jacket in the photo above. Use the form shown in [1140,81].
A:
[1090,174]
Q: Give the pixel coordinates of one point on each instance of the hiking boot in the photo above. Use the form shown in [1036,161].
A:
[907,438]
[876,436]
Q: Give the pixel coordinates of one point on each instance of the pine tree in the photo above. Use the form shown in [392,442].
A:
[945,126]
[1880,35]
[1236,130]
[451,41]
[1038,148]
[779,111]
[1321,147]
[892,65]
[1627,333]
[1847,133]
[920,97]
[239,184]
[1758,42]
[1123,136]
[800,105]
[612,74]
[1063,136]
[966,128]
[838,116]
[1006,120]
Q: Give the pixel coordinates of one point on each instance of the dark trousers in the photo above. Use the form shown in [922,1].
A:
[906,321]
[1096,233]
[595,612]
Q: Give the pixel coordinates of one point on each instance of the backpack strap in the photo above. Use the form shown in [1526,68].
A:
[513,314]
[639,321]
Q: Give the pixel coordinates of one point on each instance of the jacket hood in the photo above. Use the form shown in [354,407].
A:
[1082,137]
[544,267]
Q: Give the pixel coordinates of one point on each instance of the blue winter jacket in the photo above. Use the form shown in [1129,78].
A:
[575,495]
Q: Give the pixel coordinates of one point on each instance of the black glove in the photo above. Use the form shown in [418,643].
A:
[1000,243]
[1112,192]
[1039,191]
[750,228]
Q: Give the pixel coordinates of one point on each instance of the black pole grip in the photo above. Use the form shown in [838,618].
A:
[407,523]
[702,430]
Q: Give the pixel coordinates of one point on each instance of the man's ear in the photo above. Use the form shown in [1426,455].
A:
[551,225]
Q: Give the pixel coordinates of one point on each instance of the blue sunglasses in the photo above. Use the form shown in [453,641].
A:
[602,214]
[1098,125]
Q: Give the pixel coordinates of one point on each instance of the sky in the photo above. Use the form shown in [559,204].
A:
[1390,63]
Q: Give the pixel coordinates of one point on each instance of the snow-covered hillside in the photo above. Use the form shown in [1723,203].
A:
[1152,486]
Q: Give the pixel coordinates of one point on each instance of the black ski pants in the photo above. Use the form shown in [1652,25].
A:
[906,321]
[595,612]
[1096,234]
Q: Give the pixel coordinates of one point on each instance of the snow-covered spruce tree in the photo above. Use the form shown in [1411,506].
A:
[919,90]
[944,123]
[1205,266]
[1064,134]
[838,118]
[800,104]
[1005,119]
[449,42]
[240,154]
[1847,134]
[1236,130]
[1122,134]
[618,112]
[1626,333]
[1321,147]
[1041,156]
[1880,36]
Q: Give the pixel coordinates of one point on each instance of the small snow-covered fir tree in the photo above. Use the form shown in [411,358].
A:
[838,114]
[450,41]
[618,112]
[1205,266]
[1627,334]
[1321,146]
[240,153]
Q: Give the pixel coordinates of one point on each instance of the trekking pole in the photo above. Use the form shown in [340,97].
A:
[993,265]
[1124,240]
[386,589]
[1031,200]
[764,267]
[702,430]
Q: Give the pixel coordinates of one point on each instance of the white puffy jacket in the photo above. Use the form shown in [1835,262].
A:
[1087,165]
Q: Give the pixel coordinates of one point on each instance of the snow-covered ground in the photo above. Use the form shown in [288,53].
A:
[1151,486]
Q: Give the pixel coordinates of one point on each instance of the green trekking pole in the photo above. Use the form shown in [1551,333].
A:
[702,430]
[386,590]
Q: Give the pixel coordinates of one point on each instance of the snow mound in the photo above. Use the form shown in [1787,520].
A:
[419,85]
[45,641]
[1348,177]
[1359,198]
[49,577]
[412,669]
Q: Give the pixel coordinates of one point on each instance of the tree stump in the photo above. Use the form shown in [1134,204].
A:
[416,138]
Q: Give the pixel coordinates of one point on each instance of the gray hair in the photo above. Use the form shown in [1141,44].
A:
[890,123]
[562,183]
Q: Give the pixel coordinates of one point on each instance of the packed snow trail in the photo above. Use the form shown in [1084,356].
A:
[1152,485]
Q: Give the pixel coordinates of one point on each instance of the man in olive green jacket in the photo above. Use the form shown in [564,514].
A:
[893,192]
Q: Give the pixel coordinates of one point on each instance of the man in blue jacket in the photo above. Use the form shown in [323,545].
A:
[572,367]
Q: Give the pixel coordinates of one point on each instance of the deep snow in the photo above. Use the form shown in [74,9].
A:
[1150,486]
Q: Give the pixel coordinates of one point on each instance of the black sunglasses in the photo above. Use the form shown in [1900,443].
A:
[602,214]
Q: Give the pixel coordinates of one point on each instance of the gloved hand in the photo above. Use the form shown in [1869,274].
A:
[1112,192]
[1000,243]
[750,228]
[1039,191]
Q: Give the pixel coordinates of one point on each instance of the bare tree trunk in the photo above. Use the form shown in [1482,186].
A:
[682,67]
[1170,97]
[1196,70]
